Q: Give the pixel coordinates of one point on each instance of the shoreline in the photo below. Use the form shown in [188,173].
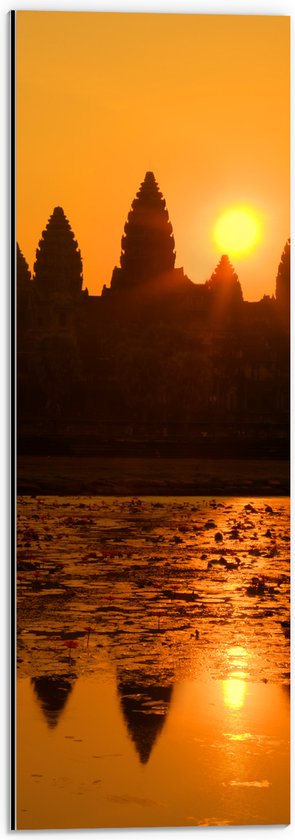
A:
[158,476]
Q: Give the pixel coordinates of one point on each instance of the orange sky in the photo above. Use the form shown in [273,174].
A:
[201,100]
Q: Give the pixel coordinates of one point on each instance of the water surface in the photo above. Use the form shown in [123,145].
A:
[153,662]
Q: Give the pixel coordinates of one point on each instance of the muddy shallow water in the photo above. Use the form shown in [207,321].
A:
[153,661]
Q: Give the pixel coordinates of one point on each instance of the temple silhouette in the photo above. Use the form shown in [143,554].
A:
[148,247]
[155,364]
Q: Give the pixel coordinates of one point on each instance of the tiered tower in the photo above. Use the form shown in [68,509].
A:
[148,247]
[283,286]
[58,266]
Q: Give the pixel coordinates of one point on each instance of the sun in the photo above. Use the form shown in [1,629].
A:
[237,231]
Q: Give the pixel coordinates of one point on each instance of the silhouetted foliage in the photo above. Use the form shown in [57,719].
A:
[58,266]
[148,242]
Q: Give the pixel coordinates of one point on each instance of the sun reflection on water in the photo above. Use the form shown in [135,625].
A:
[145,691]
[234,693]
[238,655]
[235,687]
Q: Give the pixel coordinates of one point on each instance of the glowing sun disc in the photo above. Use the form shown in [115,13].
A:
[237,231]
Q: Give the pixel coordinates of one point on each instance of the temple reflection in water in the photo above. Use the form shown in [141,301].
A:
[145,707]
[53,693]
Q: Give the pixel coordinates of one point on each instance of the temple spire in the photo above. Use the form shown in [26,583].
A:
[148,247]
[283,284]
[58,265]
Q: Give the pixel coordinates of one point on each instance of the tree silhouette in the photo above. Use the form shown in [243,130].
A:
[58,266]
[147,243]
[283,282]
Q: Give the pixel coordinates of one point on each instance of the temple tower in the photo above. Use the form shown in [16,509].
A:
[58,266]
[148,247]
[283,286]
[224,290]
